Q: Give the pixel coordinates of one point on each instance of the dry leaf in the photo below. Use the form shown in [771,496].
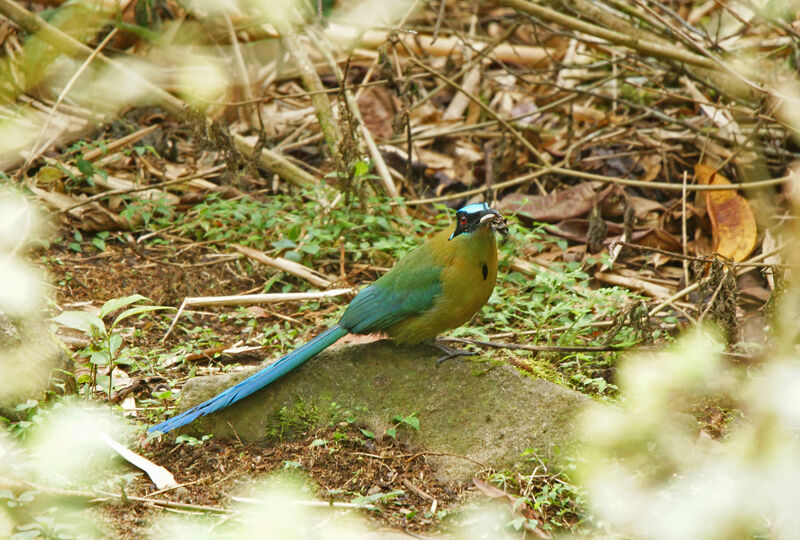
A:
[733,224]
[516,506]
[657,238]
[570,203]
[378,108]
[652,166]
[644,208]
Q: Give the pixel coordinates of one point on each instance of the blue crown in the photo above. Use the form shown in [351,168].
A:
[475,208]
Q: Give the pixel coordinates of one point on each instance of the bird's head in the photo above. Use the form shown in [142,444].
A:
[477,215]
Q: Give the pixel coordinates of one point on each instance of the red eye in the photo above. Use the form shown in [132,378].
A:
[462,221]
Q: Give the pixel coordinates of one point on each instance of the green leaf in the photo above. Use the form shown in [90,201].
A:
[188,440]
[100,358]
[284,243]
[81,320]
[116,303]
[368,434]
[136,311]
[85,166]
[412,421]
[30,404]
[113,344]
[360,168]
[392,432]
[293,256]
[124,360]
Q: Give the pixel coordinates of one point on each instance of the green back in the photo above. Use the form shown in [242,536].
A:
[409,288]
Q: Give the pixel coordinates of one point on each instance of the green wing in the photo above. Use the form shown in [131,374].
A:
[409,288]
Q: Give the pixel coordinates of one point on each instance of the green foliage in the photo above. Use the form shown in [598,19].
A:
[29,414]
[188,440]
[149,211]
[105,347]
[35,521]
[383,497]
[410,421]
[99,241]
[301,227]
[547,488]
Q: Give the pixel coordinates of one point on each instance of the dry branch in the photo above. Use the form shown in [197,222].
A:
[418,44]
[35,25]
[312,82]
[285,265]
[657,49]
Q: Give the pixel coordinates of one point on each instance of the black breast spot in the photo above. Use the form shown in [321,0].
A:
[485,270]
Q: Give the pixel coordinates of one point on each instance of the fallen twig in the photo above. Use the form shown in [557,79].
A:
[285,265]
[248,299]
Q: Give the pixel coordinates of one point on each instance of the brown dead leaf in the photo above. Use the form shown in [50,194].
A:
[652,166]
[644,208]
[258,312]
[733,224]
[378,107]
[93,216]
[570,203]
[657,238]
[577,229]
[516,506]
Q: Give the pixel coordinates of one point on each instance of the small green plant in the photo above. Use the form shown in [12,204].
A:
[151,211]
[76,245]
[99,241]
[547,488]
[410,421]
[380,497]
[188,440]
[105,348]
[28,416]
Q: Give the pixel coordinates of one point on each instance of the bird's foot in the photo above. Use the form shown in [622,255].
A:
[449,352]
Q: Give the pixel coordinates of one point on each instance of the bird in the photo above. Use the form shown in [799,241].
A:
[438,286]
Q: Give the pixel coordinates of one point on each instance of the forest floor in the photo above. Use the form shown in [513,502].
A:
[210,473]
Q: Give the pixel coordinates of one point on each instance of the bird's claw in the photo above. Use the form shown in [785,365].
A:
[449,352]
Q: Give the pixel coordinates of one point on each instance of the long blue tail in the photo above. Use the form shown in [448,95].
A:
[257,381]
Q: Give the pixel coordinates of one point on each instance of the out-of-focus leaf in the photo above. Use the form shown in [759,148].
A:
[137,310]
[81,320]
[116,303]
[733,225]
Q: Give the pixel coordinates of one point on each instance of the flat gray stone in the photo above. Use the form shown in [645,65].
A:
[480,410]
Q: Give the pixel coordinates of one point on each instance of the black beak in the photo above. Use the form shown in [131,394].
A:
[490,214]
[496,220]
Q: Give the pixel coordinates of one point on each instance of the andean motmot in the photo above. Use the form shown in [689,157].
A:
[438,286]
